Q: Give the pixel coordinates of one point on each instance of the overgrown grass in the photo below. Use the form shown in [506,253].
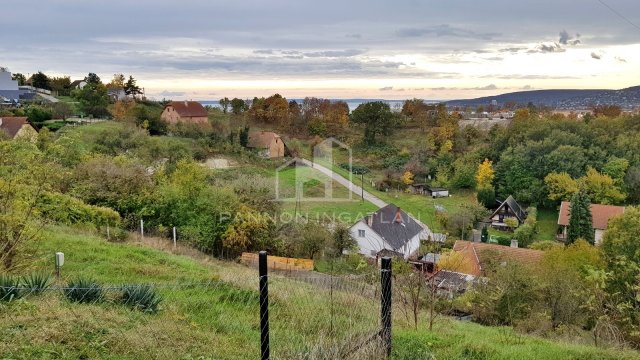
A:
[221,321]
[547,224]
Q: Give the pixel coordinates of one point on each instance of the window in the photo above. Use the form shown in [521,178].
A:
[361,233]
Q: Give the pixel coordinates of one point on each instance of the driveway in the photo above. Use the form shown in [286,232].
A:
[356,189]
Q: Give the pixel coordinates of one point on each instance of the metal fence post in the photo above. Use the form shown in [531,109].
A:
[264,306]
[385,316]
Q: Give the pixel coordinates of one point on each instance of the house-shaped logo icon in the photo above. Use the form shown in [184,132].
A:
[300,179]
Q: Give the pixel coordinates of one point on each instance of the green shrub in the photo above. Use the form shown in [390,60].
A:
[68,210]
[84,290]
[9,288]
[37,282]
[141,297]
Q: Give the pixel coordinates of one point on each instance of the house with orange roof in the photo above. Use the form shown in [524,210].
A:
[600,216]
[188,112]
[268,144]
[477,257]
[16,127]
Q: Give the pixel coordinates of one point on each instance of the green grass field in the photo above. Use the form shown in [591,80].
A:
[547,224]
[220,321]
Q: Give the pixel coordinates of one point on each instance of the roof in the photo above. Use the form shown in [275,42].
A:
[600,214]
[514,206]
[75,83]
[437,188]
[188,108]
[11,125]
[430,258]
[395,229]
[477,255]
[452,280]
[262,139]
[389,253]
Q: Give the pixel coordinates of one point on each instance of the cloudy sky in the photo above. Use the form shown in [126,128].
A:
[432,49]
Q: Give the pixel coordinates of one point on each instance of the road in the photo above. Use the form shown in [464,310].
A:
[48,97]
[356,189]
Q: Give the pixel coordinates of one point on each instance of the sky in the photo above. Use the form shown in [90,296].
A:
[431,49]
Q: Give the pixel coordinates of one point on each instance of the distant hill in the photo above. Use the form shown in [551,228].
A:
[562,99]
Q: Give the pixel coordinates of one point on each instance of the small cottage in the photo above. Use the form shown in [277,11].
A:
[188,112]
[600,216]
[508,209]
[268,144]
[17,127]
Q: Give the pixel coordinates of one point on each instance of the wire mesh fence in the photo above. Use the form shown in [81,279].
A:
[311,316]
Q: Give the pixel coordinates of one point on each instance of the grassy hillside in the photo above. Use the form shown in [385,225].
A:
[220,320]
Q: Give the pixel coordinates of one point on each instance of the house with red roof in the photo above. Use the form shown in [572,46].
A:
[17,127]
[188,112]
[600,216]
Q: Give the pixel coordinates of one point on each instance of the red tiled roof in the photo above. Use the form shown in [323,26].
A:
[12,124]
[477,254]
[600,214]
[262,139]
[189,108]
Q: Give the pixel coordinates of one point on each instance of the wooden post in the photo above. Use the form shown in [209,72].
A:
[174,238]
[141,229]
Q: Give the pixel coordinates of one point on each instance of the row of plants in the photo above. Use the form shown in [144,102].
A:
[80,290]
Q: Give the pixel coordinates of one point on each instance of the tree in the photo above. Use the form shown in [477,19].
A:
[601,188]
[243,136]
[130,87]
[93,79]
[616,168]
[621,250]
[238,106]
[377,119]
[560,186]
[342,240]
[485,174]
[580,222]
[61,110]
[60,85]
[40,80]
[224,103]
[117,82]
[484,237]
[20,78]
[122,110]
[92,99]
[407,178]
[487,197]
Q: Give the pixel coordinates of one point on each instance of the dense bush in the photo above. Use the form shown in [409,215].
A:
[37,282]
[141,297]
[84,290]
[9,288]
[68,210]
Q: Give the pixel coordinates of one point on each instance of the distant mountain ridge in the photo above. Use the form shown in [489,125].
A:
[562,99]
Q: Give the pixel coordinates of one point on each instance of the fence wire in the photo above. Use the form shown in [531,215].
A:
[311,316]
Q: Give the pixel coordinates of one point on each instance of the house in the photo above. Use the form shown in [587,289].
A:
[269,144]
[191,112]
[424,189]
[116,94]
[10,92]
[437,192]
[77,84]
[476,257]
[508,209]
[388,229]
[17,127]
[600,215]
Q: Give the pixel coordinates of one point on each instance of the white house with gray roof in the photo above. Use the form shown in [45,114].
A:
[388,230]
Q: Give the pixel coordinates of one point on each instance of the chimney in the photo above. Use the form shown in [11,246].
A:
[370,220]
[398,217]
[186,103]
[514,243]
